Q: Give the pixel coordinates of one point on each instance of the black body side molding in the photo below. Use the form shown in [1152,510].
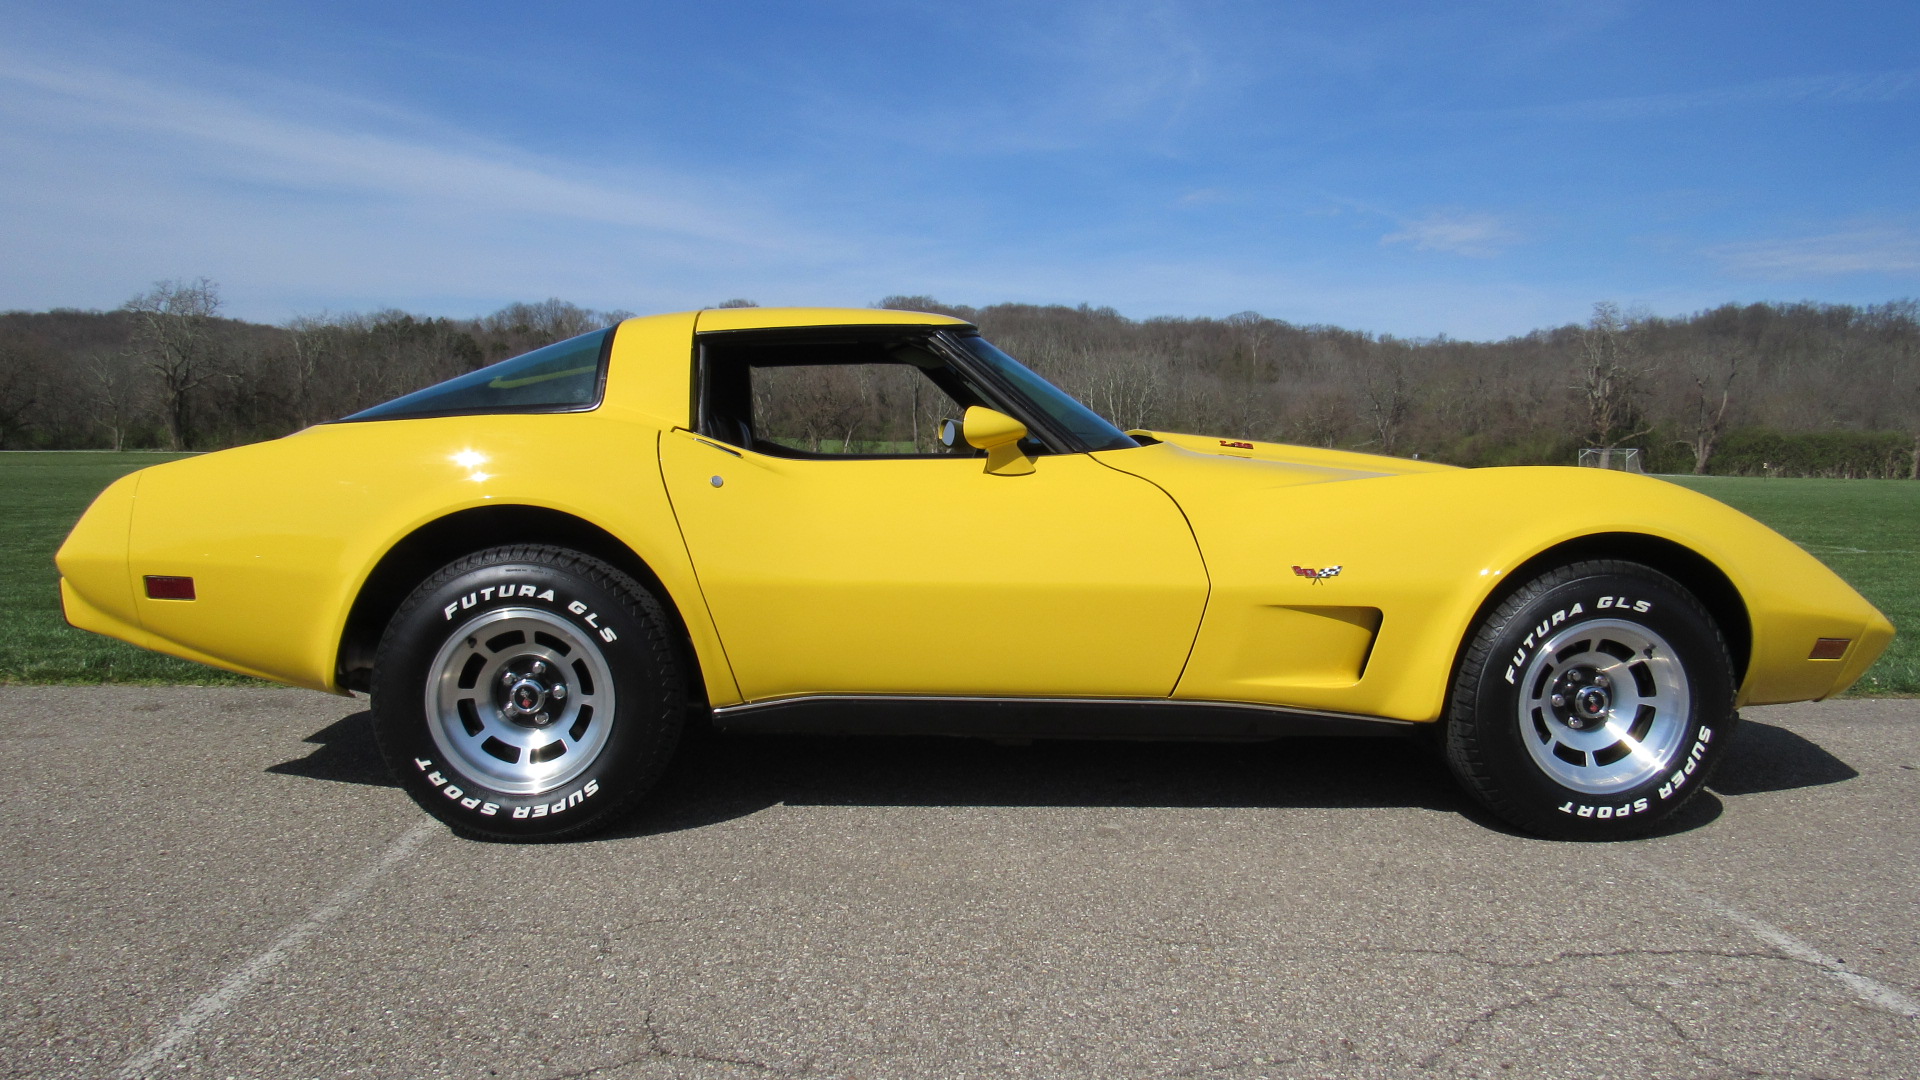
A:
[1044,718]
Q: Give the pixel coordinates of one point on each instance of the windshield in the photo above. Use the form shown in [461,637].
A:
[1081,422]
[562,377]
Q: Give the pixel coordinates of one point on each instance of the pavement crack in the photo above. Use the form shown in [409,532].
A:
[657,1048]
[1486,1016]
[595,1070]
[1687,1040]
[1239,1062]
[1626,993]
[1565,956]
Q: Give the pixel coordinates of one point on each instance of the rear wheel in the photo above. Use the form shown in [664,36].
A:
[1591,704]
[528,693]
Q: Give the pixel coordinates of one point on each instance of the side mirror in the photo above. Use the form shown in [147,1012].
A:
[999,435]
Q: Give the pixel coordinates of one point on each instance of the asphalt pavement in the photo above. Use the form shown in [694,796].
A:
[222,883]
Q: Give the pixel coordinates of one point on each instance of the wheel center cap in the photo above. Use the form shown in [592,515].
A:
[1592,702]
[528,697]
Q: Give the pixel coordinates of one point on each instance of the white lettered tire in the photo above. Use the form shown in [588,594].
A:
[528,693]
[1592,703]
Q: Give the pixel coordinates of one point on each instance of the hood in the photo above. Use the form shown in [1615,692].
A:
[1287,454]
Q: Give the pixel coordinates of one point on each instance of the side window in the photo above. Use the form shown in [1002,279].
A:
[563,377]
[813,397]
[844,409]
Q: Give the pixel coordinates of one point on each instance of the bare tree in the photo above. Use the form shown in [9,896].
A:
[519,328]
[1251,330]
[1611,368]
[1709,417]
[113,394]
[1123,385]
[1321,419]
[312,347]
[925,303]
[174,338]
[22,376]
[1389,400]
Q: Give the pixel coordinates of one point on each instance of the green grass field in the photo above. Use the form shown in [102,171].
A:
[1867,530]
[47,492]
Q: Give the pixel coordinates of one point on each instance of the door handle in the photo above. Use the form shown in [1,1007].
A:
[717,446]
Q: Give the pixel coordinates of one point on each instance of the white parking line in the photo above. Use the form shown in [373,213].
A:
[1872,991]
[222,997]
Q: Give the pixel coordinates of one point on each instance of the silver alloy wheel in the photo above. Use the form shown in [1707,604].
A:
[1603,706]
[520,700]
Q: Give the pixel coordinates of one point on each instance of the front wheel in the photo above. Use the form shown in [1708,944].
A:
[527,693]
[1592,703]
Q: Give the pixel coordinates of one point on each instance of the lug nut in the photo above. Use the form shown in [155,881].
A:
[539,669]
[1574,675]
[559,692]
[1600,681]
[1559,701]
[543,719]
[508,678]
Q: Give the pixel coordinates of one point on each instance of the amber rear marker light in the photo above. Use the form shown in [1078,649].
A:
[1829,648]
[160,587]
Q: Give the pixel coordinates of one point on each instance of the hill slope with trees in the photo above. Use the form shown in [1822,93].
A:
[1784,389]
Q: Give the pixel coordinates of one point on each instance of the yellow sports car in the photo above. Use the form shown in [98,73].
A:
[875,521]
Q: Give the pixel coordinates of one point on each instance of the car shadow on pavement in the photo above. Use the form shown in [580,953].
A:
[344,751]
[1768,758]
[719,778]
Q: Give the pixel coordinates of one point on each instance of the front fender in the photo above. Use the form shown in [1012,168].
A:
[1418,556]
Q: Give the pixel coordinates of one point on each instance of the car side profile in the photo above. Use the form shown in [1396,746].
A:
[875,521]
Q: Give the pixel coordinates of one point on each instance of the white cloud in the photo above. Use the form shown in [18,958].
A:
[1477,235]
[1857,88]
[1065,78]
[1873,250]
[301,197]
[226,138]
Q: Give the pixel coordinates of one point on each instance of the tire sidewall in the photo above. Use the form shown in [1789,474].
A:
[614,624]
[1636,596]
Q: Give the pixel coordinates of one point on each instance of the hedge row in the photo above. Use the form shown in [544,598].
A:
[1750,451]
[1853,455]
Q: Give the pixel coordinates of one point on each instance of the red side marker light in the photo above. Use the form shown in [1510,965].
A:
[1829,648]
[160,587]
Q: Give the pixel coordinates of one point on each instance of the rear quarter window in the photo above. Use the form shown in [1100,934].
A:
[566,376]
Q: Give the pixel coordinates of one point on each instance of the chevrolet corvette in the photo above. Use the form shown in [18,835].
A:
[866,521]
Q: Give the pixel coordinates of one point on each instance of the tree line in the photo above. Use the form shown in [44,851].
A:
[1758,389]
[1801,389]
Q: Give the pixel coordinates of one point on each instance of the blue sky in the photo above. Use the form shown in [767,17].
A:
[1476,170]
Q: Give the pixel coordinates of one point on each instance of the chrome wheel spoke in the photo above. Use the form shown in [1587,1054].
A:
[1603,706]
[520,699]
